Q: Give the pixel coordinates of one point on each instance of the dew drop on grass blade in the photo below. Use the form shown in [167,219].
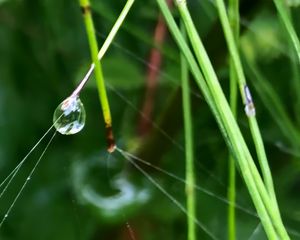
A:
[69,116]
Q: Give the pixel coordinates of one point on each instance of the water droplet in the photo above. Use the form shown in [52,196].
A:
[69,116]
[28,179]
[6,215]
[250,109]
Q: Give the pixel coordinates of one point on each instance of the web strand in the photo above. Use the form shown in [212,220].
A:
[130,157]
[167,194]
[15,171]
[163,132]
[203,190]
[26,181]
[10,177]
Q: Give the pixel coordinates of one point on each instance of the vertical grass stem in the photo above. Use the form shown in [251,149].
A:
[233,14]
[225,119]
[189,148]
[89,25]
[249,105]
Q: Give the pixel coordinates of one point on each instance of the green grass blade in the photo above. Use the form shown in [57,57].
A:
[273,103]
[139,32]
[189,149]
[233,14]
[221,102]
[86,10]
[89,25]
[227,123]
[256,135]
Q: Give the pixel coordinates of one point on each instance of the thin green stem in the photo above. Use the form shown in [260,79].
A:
[115,28]
[118,23]
[237,151]
[189,146]
[247,99]
[86,11]
[224,117]
[233,14]
[231,193]
[228,118]
[89,25]
[272,102]
[138,31]
[260,196]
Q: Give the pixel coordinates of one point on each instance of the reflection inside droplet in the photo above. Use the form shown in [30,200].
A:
[69,116]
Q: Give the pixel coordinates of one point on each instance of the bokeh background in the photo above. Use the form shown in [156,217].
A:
[79,191]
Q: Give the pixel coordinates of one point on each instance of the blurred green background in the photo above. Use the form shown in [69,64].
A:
[79,191]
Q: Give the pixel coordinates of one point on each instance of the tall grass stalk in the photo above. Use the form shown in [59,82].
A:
[208,96]
[189,148]
[220,107]
[90,30]
[256,135]
[233,14]
[216,89]
[227,118]
[91,33]
[118,23]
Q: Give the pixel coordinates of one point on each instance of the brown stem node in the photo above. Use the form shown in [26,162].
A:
[111,145]
[85,9]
